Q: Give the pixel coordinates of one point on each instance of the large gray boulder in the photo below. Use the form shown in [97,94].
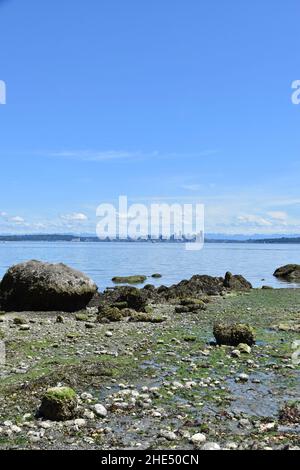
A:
[290,272]
[38,286]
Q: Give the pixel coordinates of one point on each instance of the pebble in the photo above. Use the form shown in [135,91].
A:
[15,429]
[198,438]
[231,446]
[242,378]
[169,435]
[108,334]
[45,425]
[80,423]
[86,396]
[211,446]
[100,410]
[244,348]
[24,327]
[235,353]
[89,414]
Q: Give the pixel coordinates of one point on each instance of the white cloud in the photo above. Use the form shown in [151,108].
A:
[17,219]
[107,155]
[3,214]
[279,216]
[191,187]
[74,217]
[94,156]
[256,220]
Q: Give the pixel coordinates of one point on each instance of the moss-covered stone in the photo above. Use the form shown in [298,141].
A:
[190,305]
[135,299]
[19,321]
[156,276]
[190,301]
[81,316]
[120,305]
[233,335]
[59,404]
[112,314]
[129,279]
[146,318]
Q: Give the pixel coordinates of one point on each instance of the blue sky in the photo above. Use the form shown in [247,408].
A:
[170,101]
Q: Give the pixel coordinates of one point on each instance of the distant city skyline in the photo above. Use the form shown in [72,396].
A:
[173,101]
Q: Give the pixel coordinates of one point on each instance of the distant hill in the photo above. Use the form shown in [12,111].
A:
[211,238]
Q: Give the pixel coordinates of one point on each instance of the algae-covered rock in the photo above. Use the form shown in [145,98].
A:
[291,326]
[81,316]
[112,314]
[190,305]
[156,276]
[290,272]
[189,301]
[136,299]
[19,321]
[59,404]
[120,305]
[233,335]
[129,279]
[38,286]
[146,318]
[236,282]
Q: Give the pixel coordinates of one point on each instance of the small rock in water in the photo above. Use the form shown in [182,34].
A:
[242,378]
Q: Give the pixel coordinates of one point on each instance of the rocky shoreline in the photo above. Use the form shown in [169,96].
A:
[205,364]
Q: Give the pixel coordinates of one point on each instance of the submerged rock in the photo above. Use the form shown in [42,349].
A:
[38,286]
[233,335]
[59,404]
[290,272]
[129,279]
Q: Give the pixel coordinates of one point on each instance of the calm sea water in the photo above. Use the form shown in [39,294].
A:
[102,261]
